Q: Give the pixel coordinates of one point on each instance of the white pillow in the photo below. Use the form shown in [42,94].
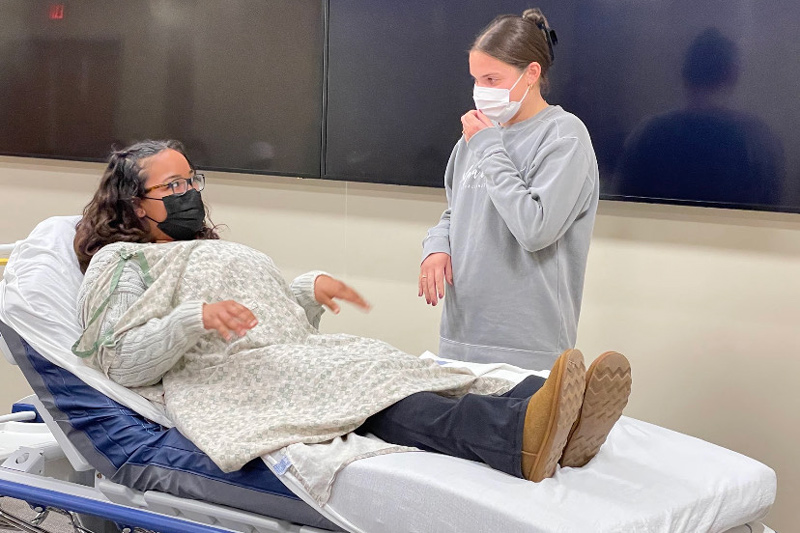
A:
[39,291]
[39,299]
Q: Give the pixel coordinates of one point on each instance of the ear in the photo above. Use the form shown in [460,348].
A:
[138,209]
[533,73]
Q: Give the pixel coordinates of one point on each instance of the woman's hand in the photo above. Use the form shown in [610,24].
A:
[228,317]
[474,121]
[327,288]
[434,271]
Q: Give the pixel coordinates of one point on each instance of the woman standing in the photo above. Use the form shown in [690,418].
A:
[522,191]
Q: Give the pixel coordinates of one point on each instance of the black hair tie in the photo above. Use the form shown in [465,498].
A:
[551,37]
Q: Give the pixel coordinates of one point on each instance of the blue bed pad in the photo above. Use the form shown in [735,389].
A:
[133,451]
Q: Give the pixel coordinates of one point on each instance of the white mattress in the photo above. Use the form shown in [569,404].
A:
[645,479]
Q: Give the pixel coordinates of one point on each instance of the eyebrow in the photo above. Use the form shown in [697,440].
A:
[489,75]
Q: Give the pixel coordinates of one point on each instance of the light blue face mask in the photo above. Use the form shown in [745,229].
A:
[496,103]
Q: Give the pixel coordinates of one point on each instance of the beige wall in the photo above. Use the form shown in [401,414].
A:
[706,303]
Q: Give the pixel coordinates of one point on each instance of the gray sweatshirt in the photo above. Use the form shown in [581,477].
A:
[521,208]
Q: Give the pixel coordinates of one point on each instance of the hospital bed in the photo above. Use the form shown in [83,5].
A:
[113,460]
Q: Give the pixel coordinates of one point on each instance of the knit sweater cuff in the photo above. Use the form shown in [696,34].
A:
[191,317]
[142,356]
[303,290]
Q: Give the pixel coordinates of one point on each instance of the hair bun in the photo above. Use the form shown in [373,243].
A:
[536,16]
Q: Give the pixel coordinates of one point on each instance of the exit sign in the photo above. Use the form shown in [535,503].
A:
[56,11]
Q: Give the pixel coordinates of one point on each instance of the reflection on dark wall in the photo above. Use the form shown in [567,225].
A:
[241,83]
[691,101]
[179,94]
[66,105]
[707,151]
[399,82]
[226,78]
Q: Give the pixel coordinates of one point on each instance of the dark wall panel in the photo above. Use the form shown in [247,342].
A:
[239,82]
[687,101]
[398,83]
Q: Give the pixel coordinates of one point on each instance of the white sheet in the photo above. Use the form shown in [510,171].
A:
[645,479]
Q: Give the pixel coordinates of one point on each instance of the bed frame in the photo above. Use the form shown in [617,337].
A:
[56,477]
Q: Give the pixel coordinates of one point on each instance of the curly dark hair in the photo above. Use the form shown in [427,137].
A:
[111,215]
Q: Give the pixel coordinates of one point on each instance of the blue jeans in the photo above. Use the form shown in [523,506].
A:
[475,427]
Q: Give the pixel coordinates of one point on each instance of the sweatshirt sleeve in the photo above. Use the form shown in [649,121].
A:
[303,290]
[438,238]
[142,355]
[539,206]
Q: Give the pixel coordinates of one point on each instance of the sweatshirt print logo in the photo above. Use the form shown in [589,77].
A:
[474,178]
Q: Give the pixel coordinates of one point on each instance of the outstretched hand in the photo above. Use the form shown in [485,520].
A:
[228,318]
[326,289]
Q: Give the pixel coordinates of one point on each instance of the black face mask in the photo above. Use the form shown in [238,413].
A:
[185,215]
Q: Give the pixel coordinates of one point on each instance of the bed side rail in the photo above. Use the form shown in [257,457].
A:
[69,496]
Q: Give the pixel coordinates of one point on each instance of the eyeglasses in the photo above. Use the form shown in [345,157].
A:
[181,186]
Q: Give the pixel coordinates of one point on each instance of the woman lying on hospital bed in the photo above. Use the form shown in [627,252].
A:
[210,329]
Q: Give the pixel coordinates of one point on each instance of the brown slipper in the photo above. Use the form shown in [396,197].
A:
[608,385]
[551,414]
